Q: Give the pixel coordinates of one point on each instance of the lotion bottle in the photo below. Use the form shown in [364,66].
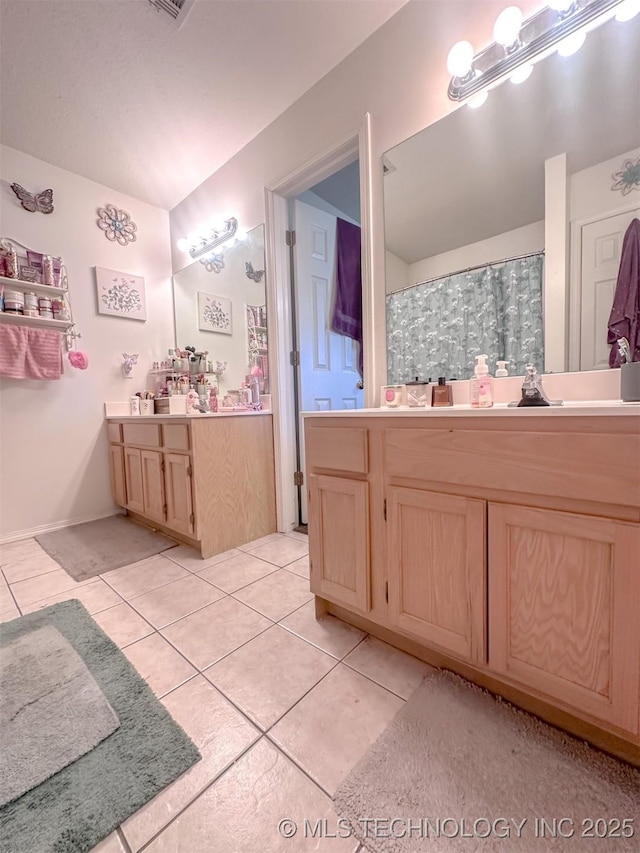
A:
[481,385]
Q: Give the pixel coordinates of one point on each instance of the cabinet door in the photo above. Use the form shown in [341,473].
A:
[339,540]
[437,570]
[177,476]
[153,484]
[116,470]
[563,611]
[133,479]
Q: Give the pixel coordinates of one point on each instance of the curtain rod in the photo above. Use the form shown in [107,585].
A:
[468,269]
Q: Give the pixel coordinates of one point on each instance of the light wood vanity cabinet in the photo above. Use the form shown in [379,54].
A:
[437,569]
[339,553]
[505,549]
[208,482]
[564,607]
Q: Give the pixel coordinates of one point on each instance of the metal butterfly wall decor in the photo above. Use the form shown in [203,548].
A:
[254,275]
[42,202]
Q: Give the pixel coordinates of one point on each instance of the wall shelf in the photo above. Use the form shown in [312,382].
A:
[32,287]
[42,322]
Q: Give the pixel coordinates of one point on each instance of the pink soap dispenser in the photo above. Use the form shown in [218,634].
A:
[481,385]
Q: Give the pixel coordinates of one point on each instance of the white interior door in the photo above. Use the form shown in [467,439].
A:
[328,361]
[601,250]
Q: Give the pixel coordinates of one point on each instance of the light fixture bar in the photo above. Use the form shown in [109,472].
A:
[539,34]
[215,238]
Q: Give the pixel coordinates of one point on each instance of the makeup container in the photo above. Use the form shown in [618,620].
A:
[47,270]
[46,309]
[135,405]
[392,396]
[10,261]
[441,394]
[13,302]
[417,393]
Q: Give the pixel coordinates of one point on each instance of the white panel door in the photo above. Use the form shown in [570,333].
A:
[328,361]
[601,250]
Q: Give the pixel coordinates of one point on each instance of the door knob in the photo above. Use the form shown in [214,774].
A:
[360,385]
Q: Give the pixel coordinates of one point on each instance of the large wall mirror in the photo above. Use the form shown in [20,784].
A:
[220,308]
[494,214]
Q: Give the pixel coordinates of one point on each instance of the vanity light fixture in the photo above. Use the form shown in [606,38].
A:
[209,237]
[520,42]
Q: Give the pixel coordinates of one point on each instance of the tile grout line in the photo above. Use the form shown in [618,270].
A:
[11,593]
[123,840]
[203,790]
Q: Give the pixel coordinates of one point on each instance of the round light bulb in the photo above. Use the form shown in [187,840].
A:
[240,235]
[629,9]
[521,74]
[460,59]
[183,244]
[571,44]
[560,5]
[478,100]
[507,26]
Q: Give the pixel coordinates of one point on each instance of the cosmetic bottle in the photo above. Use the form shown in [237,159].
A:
[441,394]
[502,369]
[481,385]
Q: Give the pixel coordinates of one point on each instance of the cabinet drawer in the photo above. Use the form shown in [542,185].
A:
[176,436]
[114,431]
[337,448]
[147,435]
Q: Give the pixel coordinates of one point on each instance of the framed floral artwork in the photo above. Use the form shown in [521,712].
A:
[120,294]
[214,313]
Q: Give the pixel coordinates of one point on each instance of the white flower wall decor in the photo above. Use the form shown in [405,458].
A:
[121,294]
[214,313]
[117,225]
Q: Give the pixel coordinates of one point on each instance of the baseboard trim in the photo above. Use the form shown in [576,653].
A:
[48,528]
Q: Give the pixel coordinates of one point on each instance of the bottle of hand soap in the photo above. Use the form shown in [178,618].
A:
[481,385]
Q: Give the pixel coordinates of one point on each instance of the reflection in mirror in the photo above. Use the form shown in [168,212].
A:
[220,308]
[503,225]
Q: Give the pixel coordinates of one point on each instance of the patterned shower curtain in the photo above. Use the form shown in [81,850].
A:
[438,328]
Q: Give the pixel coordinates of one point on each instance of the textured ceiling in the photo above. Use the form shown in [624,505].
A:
[111,90]
[478,173]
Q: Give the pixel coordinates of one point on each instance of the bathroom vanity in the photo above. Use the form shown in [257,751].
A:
[206,480]
[501,544]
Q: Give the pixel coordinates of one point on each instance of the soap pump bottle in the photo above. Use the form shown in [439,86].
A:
[502,369]
[481,385]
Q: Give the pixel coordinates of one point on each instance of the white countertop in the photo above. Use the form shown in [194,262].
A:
[596,408]
[151,418]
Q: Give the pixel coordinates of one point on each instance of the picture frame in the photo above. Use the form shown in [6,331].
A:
[120,294]
[214,313]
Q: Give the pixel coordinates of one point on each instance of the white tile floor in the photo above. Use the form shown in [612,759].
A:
[280,705]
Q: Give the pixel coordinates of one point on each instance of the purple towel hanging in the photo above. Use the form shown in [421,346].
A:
[624,320]
[347,313]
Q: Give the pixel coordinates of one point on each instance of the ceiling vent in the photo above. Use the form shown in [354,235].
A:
[173,11]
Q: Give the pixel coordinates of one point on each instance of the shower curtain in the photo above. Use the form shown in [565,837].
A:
[438,328]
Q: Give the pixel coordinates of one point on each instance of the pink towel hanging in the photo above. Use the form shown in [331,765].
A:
[27,353]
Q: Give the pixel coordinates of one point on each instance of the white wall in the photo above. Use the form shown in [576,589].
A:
[396,273]
[310,198]
[53,447]
[590,192]
[520,241]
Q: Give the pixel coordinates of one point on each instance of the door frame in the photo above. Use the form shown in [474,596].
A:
[575,278]
[277,195]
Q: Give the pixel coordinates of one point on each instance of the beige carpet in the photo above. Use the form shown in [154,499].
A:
[51,710]
[90,549]
[476,768]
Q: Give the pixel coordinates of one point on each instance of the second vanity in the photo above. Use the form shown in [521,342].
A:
[501,544]
[207,480]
